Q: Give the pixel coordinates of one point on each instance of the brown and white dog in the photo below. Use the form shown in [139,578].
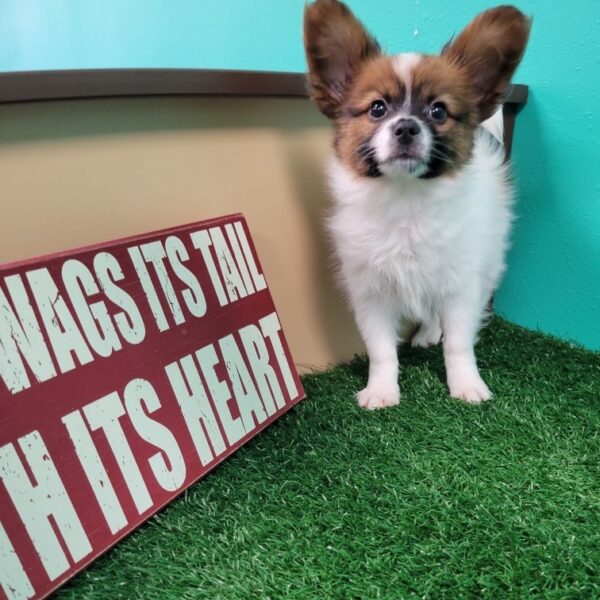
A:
[422,201]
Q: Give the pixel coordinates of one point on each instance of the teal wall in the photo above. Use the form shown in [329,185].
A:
[80,34]
[553,282]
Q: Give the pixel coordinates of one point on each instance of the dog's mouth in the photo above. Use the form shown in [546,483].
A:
[407,155]
[407,161]
[405,158]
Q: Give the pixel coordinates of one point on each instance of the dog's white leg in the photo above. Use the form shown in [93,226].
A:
[378,325]
[461,319]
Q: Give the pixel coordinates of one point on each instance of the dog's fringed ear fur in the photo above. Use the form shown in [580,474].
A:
[490,49]
[336,46]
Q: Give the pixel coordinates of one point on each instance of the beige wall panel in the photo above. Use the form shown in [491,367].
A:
[80,172]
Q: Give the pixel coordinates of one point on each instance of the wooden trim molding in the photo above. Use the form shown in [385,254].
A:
[30,86]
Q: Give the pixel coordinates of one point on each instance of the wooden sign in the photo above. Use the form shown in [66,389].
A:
[127,372]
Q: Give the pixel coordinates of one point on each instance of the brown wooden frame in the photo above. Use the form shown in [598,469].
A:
[31,86]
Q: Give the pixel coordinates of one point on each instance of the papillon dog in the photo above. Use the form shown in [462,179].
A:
[422,200]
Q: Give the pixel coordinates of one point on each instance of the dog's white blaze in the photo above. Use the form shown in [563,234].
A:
[404,65]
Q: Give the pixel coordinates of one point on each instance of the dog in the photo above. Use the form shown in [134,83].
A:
[422,201]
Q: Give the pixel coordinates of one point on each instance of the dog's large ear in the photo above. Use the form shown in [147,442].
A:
[336,46]
[490,49]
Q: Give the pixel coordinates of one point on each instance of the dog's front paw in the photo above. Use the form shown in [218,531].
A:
[470,388]
[374,397]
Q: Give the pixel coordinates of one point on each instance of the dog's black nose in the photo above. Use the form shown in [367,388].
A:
[405,130]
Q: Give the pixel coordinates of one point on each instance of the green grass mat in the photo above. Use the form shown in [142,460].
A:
[431,499]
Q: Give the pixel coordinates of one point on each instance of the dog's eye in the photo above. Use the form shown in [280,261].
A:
[438,112]
[378,109]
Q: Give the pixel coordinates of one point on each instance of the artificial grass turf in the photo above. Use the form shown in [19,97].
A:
[431,499]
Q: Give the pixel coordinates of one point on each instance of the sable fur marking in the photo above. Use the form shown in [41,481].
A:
[490,48]
[336,46]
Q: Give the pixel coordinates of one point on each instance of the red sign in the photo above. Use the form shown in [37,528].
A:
[127,372]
